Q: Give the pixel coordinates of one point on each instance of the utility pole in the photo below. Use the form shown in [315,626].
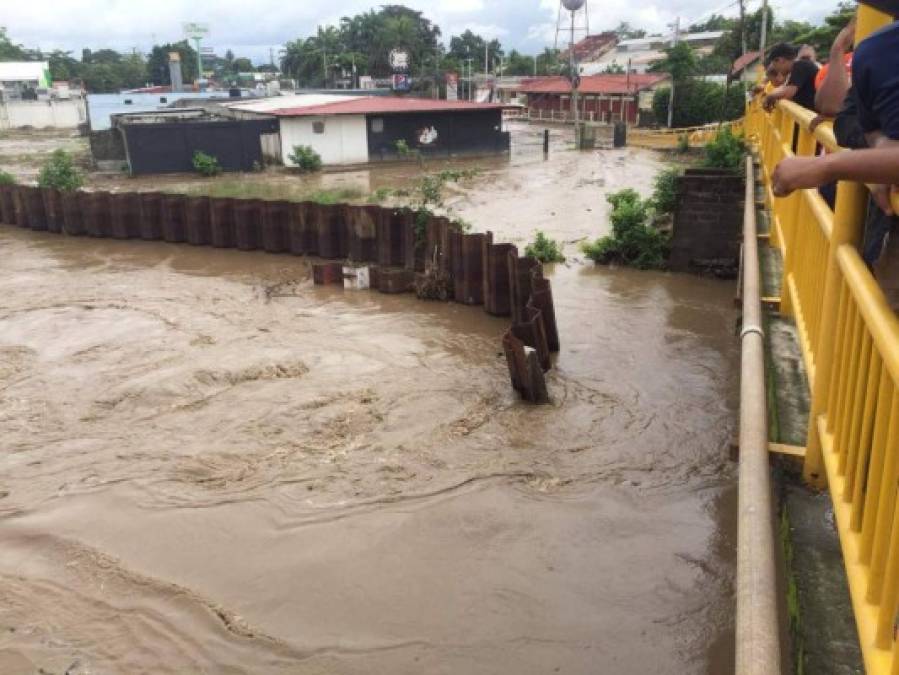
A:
[763,43]
[199,64]
[572,72]
[743,26]
[671,98]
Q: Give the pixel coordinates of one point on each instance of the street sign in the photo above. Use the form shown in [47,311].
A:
[402,82]
[399,60]
[195,31]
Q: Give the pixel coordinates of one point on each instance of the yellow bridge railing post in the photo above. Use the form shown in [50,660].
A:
[847,229]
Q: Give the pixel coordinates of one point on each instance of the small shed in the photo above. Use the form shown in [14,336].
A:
[165,141]
[348,130]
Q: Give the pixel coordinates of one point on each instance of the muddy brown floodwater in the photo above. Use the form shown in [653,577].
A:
[209,465]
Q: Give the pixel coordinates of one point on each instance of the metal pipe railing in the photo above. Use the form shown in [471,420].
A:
[757,626]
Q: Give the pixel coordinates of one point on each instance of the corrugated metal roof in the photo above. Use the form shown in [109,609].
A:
[23,71]
[380,105]
[744,62]
[274,103]
[594,84]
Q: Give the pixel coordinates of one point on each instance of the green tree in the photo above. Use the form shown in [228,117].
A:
[158,62]
[242,65]
[625,31]
[470,45]
[10,51]
[679,62]
[697,102]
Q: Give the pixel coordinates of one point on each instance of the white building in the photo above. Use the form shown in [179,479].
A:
[639,54]
[347,130]
[17,76]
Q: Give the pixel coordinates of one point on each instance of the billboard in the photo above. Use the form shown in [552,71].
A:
[194,30]
[402,82]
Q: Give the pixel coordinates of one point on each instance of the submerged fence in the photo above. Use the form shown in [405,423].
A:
[398,244]
[849,337]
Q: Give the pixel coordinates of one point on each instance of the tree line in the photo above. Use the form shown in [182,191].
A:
[106,70]
[361,44]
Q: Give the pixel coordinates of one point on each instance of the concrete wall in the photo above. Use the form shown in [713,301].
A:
[57,114]
[344,140]
[708,222]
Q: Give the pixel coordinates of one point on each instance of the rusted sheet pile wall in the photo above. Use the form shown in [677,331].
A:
[399,251]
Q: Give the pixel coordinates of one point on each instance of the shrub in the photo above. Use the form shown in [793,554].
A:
[403,149]
[633,240]
[60,172]
[664,196]
[206,165]
[683,144]
[544,249]
[725,151]
[7,178]
[305,159]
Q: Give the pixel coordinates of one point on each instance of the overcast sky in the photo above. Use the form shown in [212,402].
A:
[252,27]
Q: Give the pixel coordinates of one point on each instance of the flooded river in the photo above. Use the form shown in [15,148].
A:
[209,465]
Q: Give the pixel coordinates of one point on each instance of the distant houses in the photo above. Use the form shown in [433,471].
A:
[601,98]
[29,99]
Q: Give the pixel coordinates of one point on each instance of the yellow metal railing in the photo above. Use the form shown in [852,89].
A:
[849,337]
[662,139]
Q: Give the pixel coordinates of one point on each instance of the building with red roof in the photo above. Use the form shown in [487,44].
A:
[360,129]
[601,98]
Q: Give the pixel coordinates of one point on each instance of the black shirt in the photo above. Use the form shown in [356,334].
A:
[875,78]
[802,76]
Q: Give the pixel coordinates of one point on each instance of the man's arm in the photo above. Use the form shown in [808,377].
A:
[829,98]
[879,165]
[787,91]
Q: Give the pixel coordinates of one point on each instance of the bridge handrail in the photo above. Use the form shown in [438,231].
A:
[849,338]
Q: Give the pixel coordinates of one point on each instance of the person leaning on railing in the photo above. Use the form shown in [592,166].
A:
[800,74]
[875,95]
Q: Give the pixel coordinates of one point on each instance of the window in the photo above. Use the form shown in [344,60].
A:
[318,127]
[377,125]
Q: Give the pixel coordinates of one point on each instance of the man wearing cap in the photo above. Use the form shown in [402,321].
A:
[800,73]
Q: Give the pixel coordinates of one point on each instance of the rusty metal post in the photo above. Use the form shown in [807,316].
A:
[196,218]
[274,226]
[52,209]
[34,207]
[19,209]
[151,215]
[221,222]
[247,228]
[95,207]
[497,294]
[173,218]
[124,215]
[72,214]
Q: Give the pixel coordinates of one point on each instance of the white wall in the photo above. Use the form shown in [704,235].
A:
[65,114]
[345,140]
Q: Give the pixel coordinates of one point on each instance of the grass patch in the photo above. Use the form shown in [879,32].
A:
[238,189]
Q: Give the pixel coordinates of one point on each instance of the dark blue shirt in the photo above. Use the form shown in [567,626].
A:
[875,77]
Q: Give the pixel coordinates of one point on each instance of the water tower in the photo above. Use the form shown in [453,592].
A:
[577,24]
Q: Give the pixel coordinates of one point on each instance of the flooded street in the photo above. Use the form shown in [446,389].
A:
[210,465]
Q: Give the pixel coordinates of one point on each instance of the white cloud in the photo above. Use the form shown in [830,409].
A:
[250,28]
